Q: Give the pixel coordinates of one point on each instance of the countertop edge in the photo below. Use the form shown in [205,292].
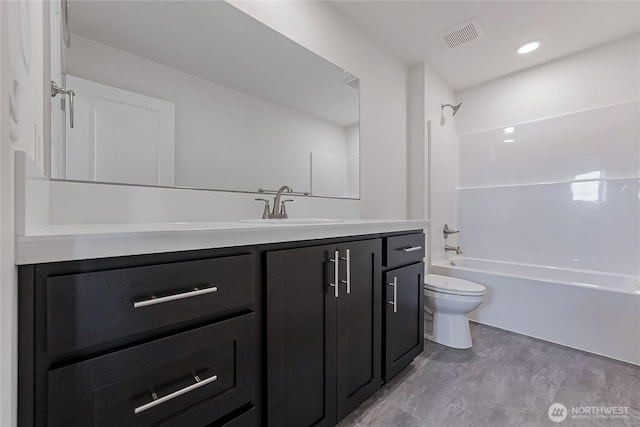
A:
[45,248]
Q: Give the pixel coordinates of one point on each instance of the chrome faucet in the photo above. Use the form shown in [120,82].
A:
[277,204]
[456,249]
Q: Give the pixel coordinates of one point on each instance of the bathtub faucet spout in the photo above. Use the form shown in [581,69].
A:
[456,249]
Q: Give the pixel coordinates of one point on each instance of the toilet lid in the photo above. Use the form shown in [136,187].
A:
[452,285]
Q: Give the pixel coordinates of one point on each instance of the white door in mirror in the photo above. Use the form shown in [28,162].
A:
[119,136]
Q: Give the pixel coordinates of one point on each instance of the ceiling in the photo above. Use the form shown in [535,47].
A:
[216,41]
[411,28]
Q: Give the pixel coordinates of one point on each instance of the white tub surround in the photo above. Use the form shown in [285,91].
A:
[550,163]
[73,242]
[588,310]
[563,193]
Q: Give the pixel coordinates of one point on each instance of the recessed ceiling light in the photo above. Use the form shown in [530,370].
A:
[509,129]
[529,47]
[509,140]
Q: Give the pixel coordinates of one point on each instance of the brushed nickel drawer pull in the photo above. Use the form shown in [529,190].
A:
[336,270]
[158,401]
[412,248]
[394,303]
[193,293]
[348,281]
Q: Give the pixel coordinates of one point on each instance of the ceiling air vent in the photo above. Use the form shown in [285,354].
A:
[462,34]
[353,83]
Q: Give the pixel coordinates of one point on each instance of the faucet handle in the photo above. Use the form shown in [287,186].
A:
[446,231]
[283,208]
[265,214]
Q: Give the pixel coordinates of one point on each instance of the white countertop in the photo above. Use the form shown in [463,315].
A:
[73,242]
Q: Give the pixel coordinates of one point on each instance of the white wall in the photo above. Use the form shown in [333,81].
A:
[25,21]
[21,126]
[596,77]
[219,128]
[417,184]
[432,157]
[442,162]
[566,191]
[7,268]
[86,203]
[320,28]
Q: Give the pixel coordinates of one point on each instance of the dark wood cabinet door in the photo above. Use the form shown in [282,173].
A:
[358,324]
[404,320]
[301,328]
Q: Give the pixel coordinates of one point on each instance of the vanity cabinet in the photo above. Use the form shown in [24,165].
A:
[281,334]
[324,331]
[403,302]
[167,339]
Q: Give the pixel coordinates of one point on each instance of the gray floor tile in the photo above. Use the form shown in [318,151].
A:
[506,379]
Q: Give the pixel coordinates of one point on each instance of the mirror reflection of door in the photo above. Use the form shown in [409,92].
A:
[119,136]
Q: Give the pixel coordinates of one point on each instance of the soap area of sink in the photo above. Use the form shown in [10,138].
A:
[291,221]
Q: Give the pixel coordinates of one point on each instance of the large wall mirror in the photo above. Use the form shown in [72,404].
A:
[198,95]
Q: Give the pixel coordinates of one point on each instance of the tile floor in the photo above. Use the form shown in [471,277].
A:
[506,379]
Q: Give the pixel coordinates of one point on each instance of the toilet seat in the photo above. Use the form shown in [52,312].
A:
[452,285]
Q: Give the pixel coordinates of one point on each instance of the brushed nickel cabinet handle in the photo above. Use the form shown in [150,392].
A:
[394,303]
[412,248]
[336,270]
[159,401]
[175,297]
[348,281]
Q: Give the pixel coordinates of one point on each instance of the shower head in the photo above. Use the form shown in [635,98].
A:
[454,108]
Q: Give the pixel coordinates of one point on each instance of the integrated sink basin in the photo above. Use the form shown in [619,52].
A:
[286,221]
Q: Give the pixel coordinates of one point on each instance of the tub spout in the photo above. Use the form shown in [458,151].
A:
[456,249]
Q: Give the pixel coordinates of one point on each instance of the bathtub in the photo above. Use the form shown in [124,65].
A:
[588,310]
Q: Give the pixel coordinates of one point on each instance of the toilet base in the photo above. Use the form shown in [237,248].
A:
[451,330]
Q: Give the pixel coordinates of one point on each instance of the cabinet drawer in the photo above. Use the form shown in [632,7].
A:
[93,311]
[201,375]
[403,250]
[247,419]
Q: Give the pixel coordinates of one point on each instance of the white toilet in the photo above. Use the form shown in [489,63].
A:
[450,300]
